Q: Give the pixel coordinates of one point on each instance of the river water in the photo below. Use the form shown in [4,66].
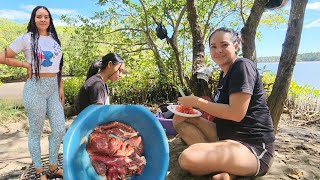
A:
[304,73]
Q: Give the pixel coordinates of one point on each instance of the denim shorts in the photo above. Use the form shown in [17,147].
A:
[264,152]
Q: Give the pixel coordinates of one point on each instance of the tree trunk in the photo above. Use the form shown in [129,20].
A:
[287,60]
[248,32]
[198,87]
[174,45]
[162,69]
[173,42]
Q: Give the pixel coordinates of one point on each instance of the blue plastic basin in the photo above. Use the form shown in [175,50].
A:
[76,161]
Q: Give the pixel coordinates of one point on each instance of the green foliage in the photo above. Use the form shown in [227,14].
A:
[303,98]
[71,88]
[8,32]
[303,91]
[299,97]
[268,79]
[142,84]
[274,18]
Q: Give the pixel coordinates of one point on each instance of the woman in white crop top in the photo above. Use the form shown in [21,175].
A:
[43,91]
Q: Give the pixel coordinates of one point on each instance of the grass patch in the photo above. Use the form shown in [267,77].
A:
[11,112]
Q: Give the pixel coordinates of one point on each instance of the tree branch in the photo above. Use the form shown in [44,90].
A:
[169,16]
[175,30]
[215,26]
[206,26]
[152,44]
[241,12]
[120,44]
[137,50]
[145,15]
[124,29]
[248,32]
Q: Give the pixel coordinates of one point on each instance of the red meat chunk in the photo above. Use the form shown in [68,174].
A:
[116,151]
[184,109]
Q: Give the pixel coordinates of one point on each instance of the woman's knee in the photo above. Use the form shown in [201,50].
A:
[188,159]
[59,130]
[180,123]
[184,161]
[189,164]
[57,123]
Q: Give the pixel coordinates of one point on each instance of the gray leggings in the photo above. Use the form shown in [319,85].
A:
[41,98]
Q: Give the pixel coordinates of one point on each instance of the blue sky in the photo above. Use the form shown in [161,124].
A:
[269,45]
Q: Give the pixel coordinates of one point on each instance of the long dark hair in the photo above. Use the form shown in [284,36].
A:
[103,63]
[35,38]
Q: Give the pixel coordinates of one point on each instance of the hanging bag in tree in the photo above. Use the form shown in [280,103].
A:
[161,31]
[274,4]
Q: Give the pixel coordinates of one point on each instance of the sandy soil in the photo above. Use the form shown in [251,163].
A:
[297,151]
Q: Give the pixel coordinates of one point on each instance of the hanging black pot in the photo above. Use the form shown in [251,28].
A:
[161,31]
[274,4]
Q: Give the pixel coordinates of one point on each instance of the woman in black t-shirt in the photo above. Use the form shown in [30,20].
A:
[95,90]
[240,140]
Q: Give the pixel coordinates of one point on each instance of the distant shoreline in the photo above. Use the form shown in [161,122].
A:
[296,61]
[305,57]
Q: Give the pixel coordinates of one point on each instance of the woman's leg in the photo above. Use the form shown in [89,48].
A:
[57,123]
[208,128]
[227,156]
[35,106]
[195,130]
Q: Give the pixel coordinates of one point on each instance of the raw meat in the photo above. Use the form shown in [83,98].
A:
[116,151]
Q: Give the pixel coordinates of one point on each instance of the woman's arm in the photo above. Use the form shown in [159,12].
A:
[234,111]
[7,58]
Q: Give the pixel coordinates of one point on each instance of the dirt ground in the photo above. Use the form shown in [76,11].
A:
[297,151]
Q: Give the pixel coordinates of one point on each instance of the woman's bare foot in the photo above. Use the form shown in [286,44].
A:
[39,172]
[223,176]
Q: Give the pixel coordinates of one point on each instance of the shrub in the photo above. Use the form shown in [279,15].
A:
[71,88]
[302,97]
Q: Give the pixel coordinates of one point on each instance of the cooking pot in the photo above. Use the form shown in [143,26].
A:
[76,161]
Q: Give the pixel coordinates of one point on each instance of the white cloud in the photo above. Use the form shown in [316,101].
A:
[314,6]
[62,11]
[14,14]
[28,7]
[315,23]
[53,11]
[59,23]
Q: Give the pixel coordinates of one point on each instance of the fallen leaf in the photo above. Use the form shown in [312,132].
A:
[296,174]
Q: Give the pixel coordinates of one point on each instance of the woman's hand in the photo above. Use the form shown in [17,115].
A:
[61,96]
[188,101]
[29,70]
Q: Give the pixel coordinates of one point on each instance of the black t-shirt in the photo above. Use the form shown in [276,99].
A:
[256,126]
[93,91]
